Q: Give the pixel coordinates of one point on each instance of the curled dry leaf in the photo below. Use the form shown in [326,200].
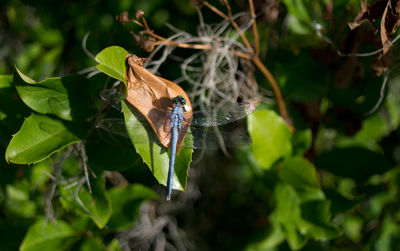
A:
[123,17]
[152,96]
[388,11]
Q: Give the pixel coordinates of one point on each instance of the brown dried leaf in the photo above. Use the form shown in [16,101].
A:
[123,17]
[388,12]
[389,22]
[152,96]
[368,13]
[388,26]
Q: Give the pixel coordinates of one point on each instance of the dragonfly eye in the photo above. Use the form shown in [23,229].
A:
[179,99]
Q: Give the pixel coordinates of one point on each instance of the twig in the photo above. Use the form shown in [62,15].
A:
[233,23]
[255,31]
[256,60]
[162,40]
[82,151]
[252,55]
[57,170]
[277,91]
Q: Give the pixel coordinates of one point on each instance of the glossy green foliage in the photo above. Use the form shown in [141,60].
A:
[67,98]
[271,137]
[47,235]
[40,136]
[112,62]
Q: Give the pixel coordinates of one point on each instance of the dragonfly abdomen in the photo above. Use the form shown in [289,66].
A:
[176,125]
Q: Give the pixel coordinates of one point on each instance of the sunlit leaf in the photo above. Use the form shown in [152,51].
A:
[48,235]
[112,62]
[299,173]
[66,97]
[288,214]
[40,136]
[271,137]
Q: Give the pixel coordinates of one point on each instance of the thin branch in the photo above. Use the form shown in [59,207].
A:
[162,40]
[255,30]
[277,91]
[233,23]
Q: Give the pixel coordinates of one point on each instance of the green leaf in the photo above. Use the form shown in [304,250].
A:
[288,214]
[273,238]
[126,202]
[96,205]
[12,109]
[114,246]
[49,235]
[112,62]
[18,199]
[271,137]
[316,218]
[301,141]
[93,243]
[352,228]
[40,136]
[302,219]
[5,81]
[388,238]
[287,204]
[353,162]
[340,204]
[299,173]
[155,155]
[65,97]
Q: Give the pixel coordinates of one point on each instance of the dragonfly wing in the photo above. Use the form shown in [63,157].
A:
[228,113]
[225,115]
[142,132]
[113,125]
[207,138]
[202,138]
[113,97]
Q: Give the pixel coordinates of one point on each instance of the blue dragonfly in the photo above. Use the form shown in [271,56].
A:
[174,119]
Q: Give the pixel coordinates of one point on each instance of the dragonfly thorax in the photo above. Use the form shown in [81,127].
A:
[177,116]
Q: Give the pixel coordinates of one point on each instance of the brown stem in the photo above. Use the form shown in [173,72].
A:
[233,23]
[162,40]
[277,91]
[255,31]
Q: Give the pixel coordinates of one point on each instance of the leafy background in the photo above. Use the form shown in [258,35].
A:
[331,184]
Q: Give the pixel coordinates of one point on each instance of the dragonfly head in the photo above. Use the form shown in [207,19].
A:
[179,99]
